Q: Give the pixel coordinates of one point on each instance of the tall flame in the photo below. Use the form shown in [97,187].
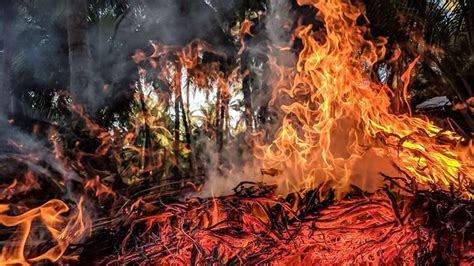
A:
[336,117]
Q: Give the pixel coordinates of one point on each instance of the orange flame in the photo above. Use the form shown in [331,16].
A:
[50,215]
[335,115]
[99,188]
[17,187]
[62,230]
[245,29]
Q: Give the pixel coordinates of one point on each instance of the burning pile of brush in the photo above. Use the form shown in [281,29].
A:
[340,180]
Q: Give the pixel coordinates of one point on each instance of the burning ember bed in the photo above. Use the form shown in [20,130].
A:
[325,162]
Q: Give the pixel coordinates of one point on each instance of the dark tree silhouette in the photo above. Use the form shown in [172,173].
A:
[7,15]
[80,59]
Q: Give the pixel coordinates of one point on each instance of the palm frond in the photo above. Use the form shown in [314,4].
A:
[439,20]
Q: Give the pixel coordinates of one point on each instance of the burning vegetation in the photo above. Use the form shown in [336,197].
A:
[300,148]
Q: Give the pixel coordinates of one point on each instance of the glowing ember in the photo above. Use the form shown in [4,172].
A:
[238,230]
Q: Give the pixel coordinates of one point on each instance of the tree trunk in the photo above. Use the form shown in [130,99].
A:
[177,99]
[7,16]
[246,89]
[245,72]
[217,125]
[189,140]
[80,59]
[147,157]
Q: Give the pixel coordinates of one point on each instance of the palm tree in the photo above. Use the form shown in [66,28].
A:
[80,58]
[445,24]
[7,16]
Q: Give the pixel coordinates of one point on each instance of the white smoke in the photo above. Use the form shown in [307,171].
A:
[240,163]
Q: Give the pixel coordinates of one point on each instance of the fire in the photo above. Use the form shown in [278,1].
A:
[335,114]
[244,30]
[249,231]
[50,214]
[62,230]
[99,188]
[335,120]
[29,183]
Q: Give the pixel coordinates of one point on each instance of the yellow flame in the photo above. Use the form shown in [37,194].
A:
[334,114]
